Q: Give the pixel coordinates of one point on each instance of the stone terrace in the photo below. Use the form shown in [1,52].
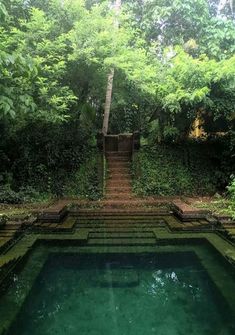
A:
[119,219]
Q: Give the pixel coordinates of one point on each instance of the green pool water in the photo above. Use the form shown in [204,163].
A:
[163,293]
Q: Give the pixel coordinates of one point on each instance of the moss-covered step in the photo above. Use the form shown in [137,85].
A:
[55,213]
[121,234]
[67,225]
[187,212]
[122,241]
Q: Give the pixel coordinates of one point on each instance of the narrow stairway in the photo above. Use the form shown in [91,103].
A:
[118,184]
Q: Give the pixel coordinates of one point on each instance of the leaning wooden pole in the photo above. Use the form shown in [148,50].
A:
[109,89]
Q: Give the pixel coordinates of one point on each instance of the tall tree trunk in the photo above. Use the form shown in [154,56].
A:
[108,101]
[109,89]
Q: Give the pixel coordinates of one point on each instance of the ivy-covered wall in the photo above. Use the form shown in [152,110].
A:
[185,169]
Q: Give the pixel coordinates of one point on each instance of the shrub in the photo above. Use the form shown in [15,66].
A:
[231,189]
[7,195]
[85,181]
[25,194]
[167,170]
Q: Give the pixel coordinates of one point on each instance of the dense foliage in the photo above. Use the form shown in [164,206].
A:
[174,170]
[173,60]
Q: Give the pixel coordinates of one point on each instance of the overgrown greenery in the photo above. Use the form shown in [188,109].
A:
[222,205]
[85,183]
[231,191]
[174,60]
[169,170]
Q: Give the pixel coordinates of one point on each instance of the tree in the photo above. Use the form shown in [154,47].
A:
[110,76]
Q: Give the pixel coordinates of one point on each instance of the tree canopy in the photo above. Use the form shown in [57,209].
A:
[172,59]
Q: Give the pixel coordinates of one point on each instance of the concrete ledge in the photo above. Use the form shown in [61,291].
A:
[55,213]
[224,219]
[187,212]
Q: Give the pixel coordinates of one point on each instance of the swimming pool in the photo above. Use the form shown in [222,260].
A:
[171,289]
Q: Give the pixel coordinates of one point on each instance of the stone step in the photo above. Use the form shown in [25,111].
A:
[229,226]
[6,235]
[113,164]
[118,225]
[118,159]
[54,213]
[115,169]
[119,194]
[137,226]
[118,154]
[86,214]
[118,189]
[120,220]
[222,217]
[122,181]
[122,241]
[118,166]
[118,182]
[13,225]
[140,204]
[187,212]
[123,195]
[124,234]
[133,212]
[227,222]
[120,176]
[9,231]
[140,228]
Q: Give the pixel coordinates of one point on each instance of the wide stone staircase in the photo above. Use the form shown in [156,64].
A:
[122,229]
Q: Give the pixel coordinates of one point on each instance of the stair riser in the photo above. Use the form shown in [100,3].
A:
[119,163]
[119,176]
[118,196]
[118,190]
[118,159]
[120,181]
[114,227]
[127,241]
[122,222]
[120,171]
[119,168]
[120,242]
[117,213]
[114,235]
[118,154]
[123,225]
[117,183]
[119,187]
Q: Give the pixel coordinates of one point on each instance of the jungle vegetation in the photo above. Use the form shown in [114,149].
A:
[173,61]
